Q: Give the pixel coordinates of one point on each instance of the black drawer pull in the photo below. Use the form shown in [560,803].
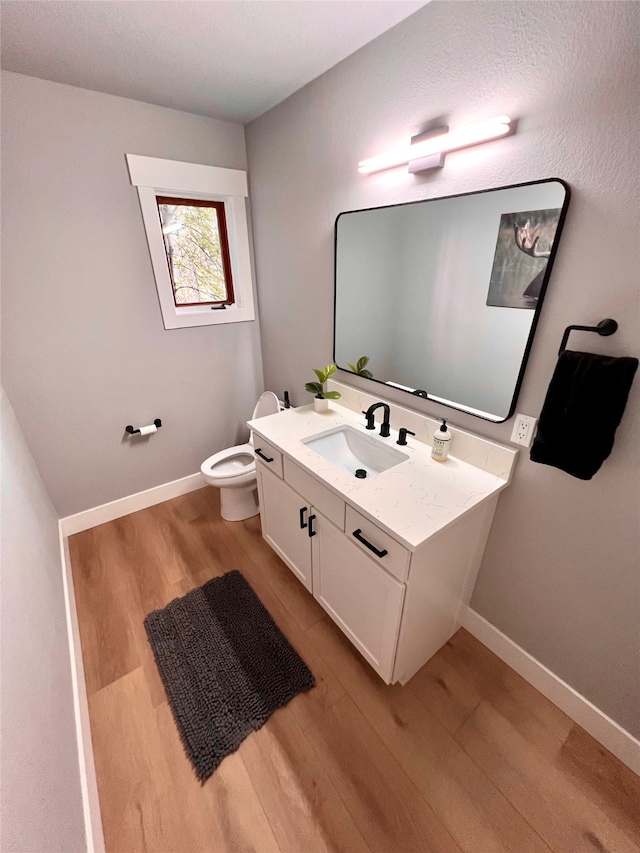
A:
[312,532]
[303,523]
[262,456]
[358,534]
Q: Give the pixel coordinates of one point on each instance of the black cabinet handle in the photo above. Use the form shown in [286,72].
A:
[303,523]
[358,534]
[262,456]
[312,532]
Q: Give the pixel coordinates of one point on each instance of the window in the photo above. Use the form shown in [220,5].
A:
[197,247]
[196,225]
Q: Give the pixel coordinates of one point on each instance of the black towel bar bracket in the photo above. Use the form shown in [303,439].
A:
[157,423]
[604,328]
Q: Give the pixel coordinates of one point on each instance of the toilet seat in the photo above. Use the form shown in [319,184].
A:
[232,466]
[233,470]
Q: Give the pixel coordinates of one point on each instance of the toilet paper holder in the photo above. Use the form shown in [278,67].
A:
[157,423]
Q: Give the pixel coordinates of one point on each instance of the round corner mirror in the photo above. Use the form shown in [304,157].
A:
[440,298]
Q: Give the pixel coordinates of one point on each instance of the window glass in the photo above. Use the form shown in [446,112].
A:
[195,239]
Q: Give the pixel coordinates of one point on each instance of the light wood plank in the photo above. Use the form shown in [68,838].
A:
[104,594]
[133,775]
[600,775]
[223,815]
[531,713]
[385,804]
[143,539]
[566,819]
[476,814]
[447,694]
[302,804]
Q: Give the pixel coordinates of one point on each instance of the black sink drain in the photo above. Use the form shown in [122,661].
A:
[361,473]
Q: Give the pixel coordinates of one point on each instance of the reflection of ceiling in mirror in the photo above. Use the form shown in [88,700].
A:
[423,291]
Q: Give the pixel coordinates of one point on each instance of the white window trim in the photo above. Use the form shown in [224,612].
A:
[153,177]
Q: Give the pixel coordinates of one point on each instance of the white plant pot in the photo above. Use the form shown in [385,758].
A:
[320,404]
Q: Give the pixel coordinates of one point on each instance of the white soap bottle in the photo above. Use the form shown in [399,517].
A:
[441,442]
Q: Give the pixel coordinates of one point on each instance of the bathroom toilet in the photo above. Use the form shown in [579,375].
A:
[233,470]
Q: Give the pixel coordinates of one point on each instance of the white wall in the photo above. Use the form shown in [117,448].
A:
[84,349]
[41,801]
[560,573]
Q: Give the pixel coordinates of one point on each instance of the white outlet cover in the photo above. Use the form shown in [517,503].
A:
[524,427]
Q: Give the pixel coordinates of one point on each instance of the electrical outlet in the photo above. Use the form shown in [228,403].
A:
[523,429]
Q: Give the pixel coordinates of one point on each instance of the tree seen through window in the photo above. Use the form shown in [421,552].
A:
[195,238]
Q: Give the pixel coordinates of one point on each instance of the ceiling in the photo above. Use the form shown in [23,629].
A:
[228,59]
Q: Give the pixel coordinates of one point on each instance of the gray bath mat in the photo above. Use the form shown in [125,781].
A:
[225,667]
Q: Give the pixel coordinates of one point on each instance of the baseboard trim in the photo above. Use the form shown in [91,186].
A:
[88,782]
[605,730]
[131,503]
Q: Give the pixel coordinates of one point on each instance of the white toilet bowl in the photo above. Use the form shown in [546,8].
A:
[233,470]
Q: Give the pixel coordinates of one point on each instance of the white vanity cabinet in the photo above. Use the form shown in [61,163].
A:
[359,594]
[284,515]
[361,597]
[392,558]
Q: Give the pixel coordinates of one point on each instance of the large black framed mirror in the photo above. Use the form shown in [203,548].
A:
[442,296]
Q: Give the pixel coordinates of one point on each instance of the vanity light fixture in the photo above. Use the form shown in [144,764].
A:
[447,140]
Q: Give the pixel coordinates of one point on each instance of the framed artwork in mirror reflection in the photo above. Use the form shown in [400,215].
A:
[523,248]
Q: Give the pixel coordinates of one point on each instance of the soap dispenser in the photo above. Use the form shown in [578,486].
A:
[441,442]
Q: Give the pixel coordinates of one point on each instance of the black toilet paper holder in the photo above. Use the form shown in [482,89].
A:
[132,431]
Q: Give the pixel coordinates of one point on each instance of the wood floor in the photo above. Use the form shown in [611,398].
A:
[467,756]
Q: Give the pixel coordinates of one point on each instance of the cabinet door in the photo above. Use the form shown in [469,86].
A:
[282,512]
[359,595]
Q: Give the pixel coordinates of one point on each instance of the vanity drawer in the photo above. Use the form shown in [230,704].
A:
[395,561]
[267,455]
[330,505]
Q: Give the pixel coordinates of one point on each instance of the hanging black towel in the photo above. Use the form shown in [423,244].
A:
[583,407]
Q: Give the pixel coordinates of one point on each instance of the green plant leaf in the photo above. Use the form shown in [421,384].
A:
[353,367]
[313,387]
[321,375]
[329,370]
[366,373]
[331,395]
[362,362]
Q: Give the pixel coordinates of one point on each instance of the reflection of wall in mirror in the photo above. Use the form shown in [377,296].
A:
[367,289]
[448,341]
[522,252]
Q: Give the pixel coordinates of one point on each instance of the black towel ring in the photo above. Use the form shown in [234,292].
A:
[604,328]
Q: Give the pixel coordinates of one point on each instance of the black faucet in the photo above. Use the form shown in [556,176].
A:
[370,416]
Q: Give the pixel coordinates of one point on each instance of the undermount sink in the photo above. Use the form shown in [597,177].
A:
[350,450]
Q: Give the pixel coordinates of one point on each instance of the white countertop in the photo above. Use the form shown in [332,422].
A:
[413,500]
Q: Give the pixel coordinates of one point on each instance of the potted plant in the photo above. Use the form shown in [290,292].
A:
[321,397]
[360,367]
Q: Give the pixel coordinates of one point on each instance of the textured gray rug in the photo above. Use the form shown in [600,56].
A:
[225,667]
